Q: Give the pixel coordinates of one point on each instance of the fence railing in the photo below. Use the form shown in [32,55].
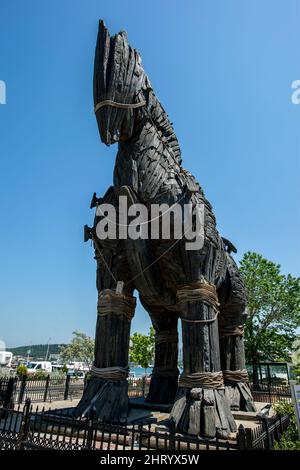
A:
[34,429]
[264,435]
[270,393]
[52,389]
[39,429]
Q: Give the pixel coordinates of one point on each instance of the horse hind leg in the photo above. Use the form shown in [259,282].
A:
[232,317]
[164,377]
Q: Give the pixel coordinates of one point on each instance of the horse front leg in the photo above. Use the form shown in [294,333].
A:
[201,407]
[106,396]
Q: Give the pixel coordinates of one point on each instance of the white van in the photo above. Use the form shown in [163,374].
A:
[6,358]
[33,367]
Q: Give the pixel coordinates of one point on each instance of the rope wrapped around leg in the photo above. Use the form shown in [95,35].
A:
[202,380]
[235,376]
[166,337]
[200,291]
[109,302]
[229,330]
[113,374]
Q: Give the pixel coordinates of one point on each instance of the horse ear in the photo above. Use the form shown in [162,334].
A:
[101,59]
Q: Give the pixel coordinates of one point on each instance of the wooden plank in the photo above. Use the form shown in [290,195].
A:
[179,405]
[209,413]
[195,418]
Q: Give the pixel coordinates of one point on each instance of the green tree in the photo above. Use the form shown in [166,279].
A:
[273,309]
[296,357]
[142,348]
[80,349]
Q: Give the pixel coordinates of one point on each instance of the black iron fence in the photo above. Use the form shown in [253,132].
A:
[270,393]
[40,429]
[264,435]
[51,388]
[64,388]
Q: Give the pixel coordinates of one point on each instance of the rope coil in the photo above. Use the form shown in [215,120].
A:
[109,302]
[235,376]
[202,380]
[113,374]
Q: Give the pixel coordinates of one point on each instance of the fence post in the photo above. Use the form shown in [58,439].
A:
[280,425]
[46,387]
[241,438]
[22,388]
[172,434]
[25,425]
[266,427]
[67,387]
[9,395]
[89,437]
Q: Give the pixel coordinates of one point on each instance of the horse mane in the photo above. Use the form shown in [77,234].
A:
[161,120]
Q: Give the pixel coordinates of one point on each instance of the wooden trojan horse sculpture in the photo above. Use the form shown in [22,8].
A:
[202,287]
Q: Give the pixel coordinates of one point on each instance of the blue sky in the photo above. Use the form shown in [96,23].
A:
[223,71]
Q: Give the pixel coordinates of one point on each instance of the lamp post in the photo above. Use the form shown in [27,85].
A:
[47,349]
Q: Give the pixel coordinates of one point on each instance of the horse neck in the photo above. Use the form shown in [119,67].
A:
[148,161]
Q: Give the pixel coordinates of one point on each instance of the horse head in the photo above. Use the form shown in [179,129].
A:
[119,80]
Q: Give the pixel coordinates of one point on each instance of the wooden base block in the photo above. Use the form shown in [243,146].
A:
[104,400]
[240,397]
[203,412]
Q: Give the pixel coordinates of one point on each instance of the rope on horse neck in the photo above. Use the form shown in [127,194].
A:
[114,104]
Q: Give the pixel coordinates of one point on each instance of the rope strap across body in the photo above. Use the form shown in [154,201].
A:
[114,374]
[109,302]
[166,337]
[114,104]
[234,376]
[202,380]
[231,330]
[202,291]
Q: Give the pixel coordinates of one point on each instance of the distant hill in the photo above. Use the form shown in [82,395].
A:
[37,351]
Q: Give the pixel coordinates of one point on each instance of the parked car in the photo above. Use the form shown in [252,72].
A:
[33,367]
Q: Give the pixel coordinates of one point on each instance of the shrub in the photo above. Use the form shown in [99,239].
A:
[40,375]
[290,438]
[22,370]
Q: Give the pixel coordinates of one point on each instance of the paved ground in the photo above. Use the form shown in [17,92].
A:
[248,420]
